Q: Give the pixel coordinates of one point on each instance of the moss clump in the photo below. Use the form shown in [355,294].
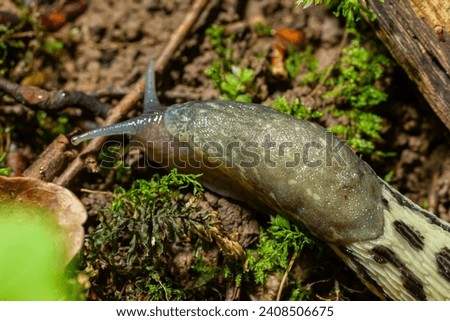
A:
[296,109]
[354,83]
[128,254]
[278,245]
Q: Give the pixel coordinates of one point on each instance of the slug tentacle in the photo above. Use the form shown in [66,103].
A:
[131,126]
[151,102]
[153,112]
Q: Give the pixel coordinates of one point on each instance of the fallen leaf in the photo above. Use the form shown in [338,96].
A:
[69,213]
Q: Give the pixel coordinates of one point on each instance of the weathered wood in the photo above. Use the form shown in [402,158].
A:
[416,32]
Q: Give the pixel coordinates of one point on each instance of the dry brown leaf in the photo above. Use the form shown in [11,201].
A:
[69,212]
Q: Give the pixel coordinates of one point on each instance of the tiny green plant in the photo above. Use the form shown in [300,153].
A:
[236,83]
[220,43]
[49,127]
[304,59]
[233,82]
[53,46]
[4,171]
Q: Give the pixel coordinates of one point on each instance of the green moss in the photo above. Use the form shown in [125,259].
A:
[356,73]
[127,255]
[216,277]
[304,59]
[353,83]
[350,10]
[296,109]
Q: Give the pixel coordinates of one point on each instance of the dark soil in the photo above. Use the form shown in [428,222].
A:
[115,41]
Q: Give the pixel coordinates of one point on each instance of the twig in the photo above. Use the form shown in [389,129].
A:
[286,273]
[91,191]
[330,67]
[179,34]
[135,94]
[51,161]
[31,96]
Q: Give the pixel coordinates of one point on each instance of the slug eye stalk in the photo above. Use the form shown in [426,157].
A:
[152,108]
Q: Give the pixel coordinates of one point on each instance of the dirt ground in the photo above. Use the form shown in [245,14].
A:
[114,41]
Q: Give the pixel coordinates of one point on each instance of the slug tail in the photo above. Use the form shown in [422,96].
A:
[410,261]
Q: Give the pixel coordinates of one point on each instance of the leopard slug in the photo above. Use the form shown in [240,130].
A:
[270,160]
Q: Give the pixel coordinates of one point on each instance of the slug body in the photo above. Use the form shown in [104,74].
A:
[270,160]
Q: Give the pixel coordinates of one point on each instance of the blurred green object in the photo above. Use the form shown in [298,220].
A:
[31,256]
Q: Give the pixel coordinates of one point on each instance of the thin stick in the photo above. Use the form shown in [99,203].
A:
[91,191]
[330,66]
[285,276]
[136,92]
[31,96]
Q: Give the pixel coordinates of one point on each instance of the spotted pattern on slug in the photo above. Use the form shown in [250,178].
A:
[392,264]
[385,203]
[433,219]
[363,273]
[443,263]
[413,237]
[411,283]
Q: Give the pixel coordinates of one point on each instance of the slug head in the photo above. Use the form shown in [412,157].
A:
[152,114]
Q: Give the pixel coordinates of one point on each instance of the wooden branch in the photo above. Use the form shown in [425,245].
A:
[51,161]
[417,34]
